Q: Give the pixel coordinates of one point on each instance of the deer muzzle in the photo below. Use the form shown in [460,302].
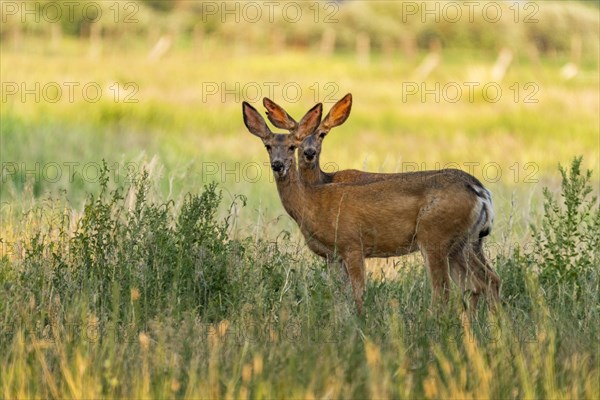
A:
[310,154]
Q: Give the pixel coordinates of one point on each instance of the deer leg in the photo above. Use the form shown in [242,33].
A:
[436,261]
[464,277]
[487,274]
[355,265]
[435,244]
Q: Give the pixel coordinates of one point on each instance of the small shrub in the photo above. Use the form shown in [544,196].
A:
[567,241]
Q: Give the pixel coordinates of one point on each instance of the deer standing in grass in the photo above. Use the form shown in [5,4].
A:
[437,214]
[468,268]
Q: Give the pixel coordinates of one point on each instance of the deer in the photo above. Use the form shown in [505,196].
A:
[470,270]
[437,214]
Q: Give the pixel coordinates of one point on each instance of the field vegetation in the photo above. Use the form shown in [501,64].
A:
[144,251]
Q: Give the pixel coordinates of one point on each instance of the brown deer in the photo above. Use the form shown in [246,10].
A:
[469,268]
[437,214]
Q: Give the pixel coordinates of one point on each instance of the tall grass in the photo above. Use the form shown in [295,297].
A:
[138,297]
[114,283]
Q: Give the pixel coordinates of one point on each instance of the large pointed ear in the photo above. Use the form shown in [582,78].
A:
[337,115]
[309,122]
[278,116]
[255,122]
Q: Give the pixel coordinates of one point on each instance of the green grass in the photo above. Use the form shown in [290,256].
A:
[120,288]
[137,297]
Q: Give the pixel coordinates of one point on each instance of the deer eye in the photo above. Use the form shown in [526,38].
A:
[322,135]
[268,147]
[292,148]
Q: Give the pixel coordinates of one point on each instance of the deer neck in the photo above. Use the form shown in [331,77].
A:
[312,174]
[300,200]
[292,194]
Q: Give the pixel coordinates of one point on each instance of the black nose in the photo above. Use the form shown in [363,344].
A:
[277,166]
[310,153]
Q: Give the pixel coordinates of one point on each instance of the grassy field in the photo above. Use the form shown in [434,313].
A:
[118,284]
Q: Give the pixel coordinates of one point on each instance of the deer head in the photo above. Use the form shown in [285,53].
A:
[310,142]
[281,147]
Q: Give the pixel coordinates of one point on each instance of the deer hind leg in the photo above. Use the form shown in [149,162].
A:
[487,274]
[435,241]
[355,265]
[463,275]
[436,260]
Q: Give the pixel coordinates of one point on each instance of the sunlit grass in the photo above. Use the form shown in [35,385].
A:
[132,297]
[287,327]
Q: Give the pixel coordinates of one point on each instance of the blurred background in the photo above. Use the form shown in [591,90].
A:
[505,90]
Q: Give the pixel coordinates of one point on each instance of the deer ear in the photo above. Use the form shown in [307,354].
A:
[338,114]
[255,122]
[309,122]
[278,116]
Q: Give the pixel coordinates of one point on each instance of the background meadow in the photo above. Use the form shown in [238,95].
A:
[145,252]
